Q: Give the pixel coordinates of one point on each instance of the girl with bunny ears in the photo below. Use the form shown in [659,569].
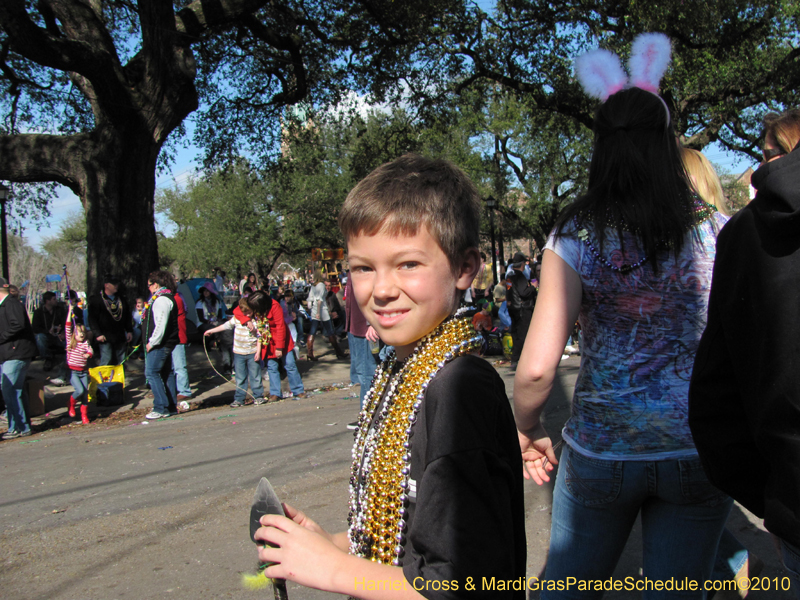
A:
[632,261]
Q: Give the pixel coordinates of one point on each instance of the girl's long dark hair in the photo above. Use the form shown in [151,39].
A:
[637,181]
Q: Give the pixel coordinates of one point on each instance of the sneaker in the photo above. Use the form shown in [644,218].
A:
[259,401]
[156,415]
[571,350]
[58,381]
[10,435]
[564,356]
[352,426]
[237,403]
[25,433]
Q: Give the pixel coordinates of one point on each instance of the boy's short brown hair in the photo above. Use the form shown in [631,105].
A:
[411,191]
[243,304]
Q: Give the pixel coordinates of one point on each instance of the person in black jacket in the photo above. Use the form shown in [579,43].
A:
[109,317]
[520,299]
[744,400]
[17,349]
[48,329]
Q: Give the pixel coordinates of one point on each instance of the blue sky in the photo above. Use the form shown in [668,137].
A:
[67,203]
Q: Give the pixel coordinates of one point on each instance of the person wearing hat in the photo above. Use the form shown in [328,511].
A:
[109,317]
[17,349]
[520,298]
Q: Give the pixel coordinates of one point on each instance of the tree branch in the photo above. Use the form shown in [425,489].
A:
[201,16]
[39,157]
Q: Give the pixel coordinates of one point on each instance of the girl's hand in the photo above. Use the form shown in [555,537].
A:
[538,456]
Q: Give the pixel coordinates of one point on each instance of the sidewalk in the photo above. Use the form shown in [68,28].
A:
[208,388]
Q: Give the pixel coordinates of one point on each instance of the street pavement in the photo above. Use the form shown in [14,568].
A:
[124,509]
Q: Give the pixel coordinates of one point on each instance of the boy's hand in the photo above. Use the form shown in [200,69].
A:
[538,456]
[305,552]
[207,333]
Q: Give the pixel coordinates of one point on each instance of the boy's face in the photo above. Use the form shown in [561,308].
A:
[404,284]
[139,304]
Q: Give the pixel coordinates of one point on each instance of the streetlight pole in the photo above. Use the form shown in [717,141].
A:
[3,197]
[490,204]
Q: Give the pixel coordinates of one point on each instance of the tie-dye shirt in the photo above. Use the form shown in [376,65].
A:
[640,333]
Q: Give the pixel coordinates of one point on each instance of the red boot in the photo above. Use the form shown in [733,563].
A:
[84,416]
[71,407]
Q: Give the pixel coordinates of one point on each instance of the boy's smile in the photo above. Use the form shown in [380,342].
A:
[404,284]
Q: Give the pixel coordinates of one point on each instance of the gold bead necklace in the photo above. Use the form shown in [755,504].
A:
[382,450]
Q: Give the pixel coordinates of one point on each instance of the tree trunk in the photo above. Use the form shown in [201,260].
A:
[118,197]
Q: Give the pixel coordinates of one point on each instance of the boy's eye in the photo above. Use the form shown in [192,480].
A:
[360,269]
[409,265]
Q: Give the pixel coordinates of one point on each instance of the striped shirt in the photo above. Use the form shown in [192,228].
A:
[244,341]
[76,357]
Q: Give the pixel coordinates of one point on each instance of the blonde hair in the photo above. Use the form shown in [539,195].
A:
[410,191]
[703,178]
[76,328]
[783,128]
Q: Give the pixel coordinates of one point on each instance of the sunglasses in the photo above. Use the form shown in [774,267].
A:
[770,153]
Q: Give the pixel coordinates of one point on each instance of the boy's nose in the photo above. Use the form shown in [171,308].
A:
[385,287]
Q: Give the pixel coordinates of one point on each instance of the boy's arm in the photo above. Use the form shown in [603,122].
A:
[308,555]
[216,329]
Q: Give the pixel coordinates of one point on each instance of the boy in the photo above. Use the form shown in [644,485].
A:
[436,485]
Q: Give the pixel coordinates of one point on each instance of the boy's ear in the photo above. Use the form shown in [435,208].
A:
[468,270]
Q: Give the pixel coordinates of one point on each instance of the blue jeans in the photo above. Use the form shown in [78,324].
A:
[80,381]
[112,354]
[46,343]
[791,560]
[326,327]
[181,371]
[595,504]
[293,375]
[158,372]
[246,367]
[362,364]
[15,394]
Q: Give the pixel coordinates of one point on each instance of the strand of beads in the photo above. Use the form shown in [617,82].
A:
[382,453]
[701,211]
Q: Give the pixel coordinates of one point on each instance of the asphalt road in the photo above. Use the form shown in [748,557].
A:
[160,510]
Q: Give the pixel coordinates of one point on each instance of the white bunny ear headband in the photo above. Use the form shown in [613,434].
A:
[600,72]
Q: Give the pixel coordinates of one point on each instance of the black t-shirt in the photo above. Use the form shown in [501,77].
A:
[467,515]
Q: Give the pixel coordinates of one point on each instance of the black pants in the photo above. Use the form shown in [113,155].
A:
[519,330]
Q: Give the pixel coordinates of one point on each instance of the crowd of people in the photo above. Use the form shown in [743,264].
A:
[680,407]
[156,331]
